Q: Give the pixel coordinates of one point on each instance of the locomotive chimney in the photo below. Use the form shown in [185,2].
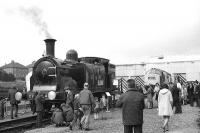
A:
[50,43]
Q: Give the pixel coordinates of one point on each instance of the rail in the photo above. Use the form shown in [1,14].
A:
[20,123]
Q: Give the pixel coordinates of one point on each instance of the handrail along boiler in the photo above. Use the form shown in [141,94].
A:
[51,75]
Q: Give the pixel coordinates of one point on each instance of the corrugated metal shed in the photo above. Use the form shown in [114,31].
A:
[186,65]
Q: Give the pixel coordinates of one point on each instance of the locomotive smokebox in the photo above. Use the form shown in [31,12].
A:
[50,43]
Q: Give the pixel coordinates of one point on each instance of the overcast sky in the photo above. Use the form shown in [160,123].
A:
[119,30]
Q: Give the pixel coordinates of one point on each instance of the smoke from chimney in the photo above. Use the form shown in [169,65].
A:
[35,15]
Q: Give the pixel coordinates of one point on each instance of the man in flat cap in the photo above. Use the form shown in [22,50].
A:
[86,99]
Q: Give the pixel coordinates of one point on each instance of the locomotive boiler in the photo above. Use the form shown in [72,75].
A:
[51,75]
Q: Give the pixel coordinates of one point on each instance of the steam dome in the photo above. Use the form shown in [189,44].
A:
[72,55]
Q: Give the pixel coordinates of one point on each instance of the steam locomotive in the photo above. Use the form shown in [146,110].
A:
[51,75]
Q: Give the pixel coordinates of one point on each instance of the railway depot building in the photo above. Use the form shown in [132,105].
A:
[15,68]
[187,68]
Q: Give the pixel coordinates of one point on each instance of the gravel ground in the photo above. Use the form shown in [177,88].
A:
[179,123]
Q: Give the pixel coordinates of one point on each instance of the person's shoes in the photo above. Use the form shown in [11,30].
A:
[12,117]
[167,129]
[163,129]
[67,124]
[70,127]
[81,127]
[57,125]
[87,129]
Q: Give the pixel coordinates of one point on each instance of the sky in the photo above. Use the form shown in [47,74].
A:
[122,31]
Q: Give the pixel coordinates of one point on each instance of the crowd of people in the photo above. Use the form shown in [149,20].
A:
[14,97]
[75,111]
[169,96]
[183,93]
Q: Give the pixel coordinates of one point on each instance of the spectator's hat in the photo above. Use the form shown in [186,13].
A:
[63,104]
[77,95]
[66,88]
[96,100]
[85,84]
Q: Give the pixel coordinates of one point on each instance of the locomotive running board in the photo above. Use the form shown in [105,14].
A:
[44,87]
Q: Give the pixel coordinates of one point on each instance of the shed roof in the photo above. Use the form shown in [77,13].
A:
[13,65]
[161,59]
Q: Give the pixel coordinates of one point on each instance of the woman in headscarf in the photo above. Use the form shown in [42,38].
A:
[165,102]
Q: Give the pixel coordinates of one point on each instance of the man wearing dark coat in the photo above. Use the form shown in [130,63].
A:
[190,90]
[132,103]
[39,101]
[176,99]
[13,101]
[197,93]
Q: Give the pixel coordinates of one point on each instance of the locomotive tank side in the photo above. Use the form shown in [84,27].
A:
[99,74]
[111,77]
[95,76]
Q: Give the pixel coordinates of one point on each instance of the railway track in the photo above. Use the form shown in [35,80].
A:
[21,123]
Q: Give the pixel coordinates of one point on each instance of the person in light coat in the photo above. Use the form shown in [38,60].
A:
[165,102]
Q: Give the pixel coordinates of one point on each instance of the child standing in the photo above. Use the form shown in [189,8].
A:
[96,109]
[102,108]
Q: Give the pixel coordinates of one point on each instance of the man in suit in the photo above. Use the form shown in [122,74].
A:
[39,101]
[13,101]
[132,103]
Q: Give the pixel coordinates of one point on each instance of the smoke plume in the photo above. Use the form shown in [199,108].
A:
[34,14]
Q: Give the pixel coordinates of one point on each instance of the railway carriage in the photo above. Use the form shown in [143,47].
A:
[155,75]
